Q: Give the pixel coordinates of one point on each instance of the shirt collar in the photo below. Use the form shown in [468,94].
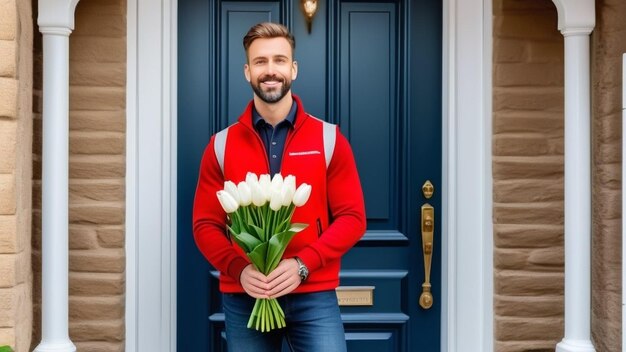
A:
[257,119]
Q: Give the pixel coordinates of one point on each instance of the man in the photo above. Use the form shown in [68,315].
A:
[275,135]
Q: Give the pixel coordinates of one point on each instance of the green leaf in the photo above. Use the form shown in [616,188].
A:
[278,243]
[6,349]
[257,256]
[256,231]
[246,241]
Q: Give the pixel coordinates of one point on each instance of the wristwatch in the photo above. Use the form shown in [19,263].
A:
[303,271]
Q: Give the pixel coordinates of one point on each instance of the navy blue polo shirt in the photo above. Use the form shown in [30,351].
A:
[274,137]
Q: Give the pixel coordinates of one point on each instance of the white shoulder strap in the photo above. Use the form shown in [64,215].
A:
[220,147]
[330,135]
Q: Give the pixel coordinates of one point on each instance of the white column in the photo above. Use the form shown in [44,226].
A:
[56,21]
[576,21]
[623,202]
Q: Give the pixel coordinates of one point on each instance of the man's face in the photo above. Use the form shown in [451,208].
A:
[270,68]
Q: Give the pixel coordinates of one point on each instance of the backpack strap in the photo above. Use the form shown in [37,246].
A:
[220,147]
[330,135]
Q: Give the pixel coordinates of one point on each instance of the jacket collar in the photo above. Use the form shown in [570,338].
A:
[301,115]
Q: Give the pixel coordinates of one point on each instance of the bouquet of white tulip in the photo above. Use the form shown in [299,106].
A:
[260,211]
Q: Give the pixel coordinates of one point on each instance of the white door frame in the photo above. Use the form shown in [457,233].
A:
[467,284]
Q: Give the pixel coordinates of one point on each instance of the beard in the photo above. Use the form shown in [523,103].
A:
[273,95]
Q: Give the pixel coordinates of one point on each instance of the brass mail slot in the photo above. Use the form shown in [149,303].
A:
[355,295]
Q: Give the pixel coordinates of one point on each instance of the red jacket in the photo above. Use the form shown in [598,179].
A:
[335,211]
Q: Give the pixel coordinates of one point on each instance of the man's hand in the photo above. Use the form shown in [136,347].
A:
[254,282]
[283,279]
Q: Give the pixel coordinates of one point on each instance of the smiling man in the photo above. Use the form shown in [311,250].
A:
[275,135]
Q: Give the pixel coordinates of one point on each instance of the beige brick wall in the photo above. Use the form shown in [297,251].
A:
[527,176]
[608,44]
[97,170]
[16,74]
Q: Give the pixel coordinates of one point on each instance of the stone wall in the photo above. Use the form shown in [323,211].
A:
[527,176]
[16,74]
[97,171]
[608,45]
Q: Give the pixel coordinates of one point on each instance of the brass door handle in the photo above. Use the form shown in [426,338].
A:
[428,229]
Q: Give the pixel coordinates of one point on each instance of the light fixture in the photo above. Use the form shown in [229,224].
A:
[309,8]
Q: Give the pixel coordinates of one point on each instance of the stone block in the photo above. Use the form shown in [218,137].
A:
[549,124]
[528,235]
[100,25]
[546,52]
[7,194]
[110,143]
[528,74]
[82,237]
[541,306]
[99,346]
[528,213]
[97,213]
[102,330]
[547,99]
[526,145]
[8,234]
[8,144]
[8,20]
[8,306]
[526,283]
[509,50]
[111,237]
[533,329]
[536,260]
[106,74]
[103,121]
[520,167]
[97,98]
[8,58]
[97,49]
[8,97]
[8,271]
[96,284]
[83,309]
[97,190]
[527,26]
[529,190]
[98,261]
[97,166]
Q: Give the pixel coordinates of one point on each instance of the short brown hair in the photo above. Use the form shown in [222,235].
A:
[268,30]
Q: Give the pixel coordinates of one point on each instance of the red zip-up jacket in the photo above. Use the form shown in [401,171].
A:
[335,211]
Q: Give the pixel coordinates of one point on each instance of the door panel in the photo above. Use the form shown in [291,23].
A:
[374,68]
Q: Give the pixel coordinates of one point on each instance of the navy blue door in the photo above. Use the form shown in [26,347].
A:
[374,68]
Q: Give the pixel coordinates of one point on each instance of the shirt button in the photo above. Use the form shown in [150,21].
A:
[273,143]
[274,156]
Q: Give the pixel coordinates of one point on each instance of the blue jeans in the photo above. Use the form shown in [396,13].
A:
[313,324]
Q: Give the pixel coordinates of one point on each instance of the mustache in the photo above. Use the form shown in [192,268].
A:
[270,78]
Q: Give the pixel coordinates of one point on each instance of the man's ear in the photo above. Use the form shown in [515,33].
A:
[246,72]
[294,70]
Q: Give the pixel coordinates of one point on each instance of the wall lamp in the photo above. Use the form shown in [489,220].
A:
[309,8]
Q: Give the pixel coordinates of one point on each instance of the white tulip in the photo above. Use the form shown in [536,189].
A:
[276,200]
[245,194]
[231,188]
[258,197]
[302,195]
[277,182]
[265,182]
[289,189]
[229,204]
[251,177]
[290,181]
